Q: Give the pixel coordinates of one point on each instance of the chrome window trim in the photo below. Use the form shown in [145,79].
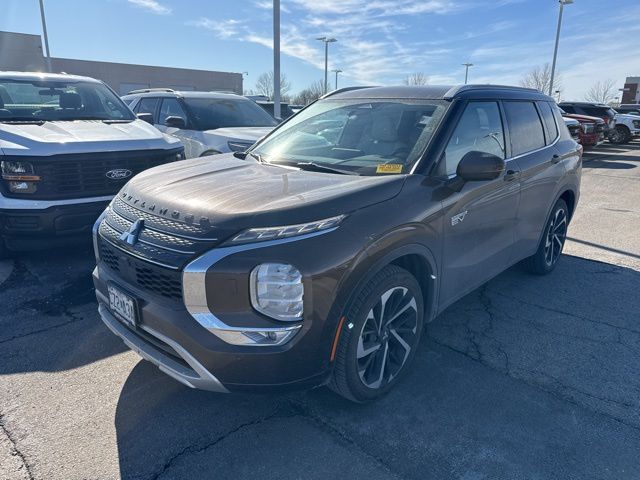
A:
[194,292]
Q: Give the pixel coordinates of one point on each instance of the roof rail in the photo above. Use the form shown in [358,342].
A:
[344,89]
[148,90]
[453,91]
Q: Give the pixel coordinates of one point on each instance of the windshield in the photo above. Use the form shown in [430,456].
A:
[49,100]
[212,113]
[366,137]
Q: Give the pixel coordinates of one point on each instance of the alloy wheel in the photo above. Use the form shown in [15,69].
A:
[388,335]
[556,236]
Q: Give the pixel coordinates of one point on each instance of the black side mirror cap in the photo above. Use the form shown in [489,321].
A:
[175,122]
[147,117]
[480,166]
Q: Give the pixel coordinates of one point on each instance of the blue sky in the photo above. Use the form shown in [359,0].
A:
[380,41]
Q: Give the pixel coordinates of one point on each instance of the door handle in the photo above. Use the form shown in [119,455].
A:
[511,175]
[556,159]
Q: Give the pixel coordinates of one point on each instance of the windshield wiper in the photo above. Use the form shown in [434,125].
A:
[316,167]
[23,120]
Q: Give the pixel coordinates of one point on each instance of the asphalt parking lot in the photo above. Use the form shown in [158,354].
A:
[527,377]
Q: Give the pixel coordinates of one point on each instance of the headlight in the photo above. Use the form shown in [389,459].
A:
[588,127]
[19,176]
[239,146]
[636,123]
[272,233]
[277,290]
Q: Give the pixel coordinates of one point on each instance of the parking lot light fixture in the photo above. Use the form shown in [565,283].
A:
[466,71]
[337,71]
[327,41]
[555,50]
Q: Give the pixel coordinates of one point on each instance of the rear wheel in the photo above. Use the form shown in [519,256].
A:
[552,242]
[379,337]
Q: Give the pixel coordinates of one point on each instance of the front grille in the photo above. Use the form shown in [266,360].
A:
[151,278]
[84,175]
[154,262]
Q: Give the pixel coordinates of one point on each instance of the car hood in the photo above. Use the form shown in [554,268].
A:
[233,194]
[627,116]
[247,134]
[81,136]
[584,118]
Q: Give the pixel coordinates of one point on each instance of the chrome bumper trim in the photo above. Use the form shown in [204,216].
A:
[196,377]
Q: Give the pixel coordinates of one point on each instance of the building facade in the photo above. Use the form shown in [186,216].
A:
[631,92]
[24,53]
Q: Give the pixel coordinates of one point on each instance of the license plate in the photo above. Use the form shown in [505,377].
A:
[123,305]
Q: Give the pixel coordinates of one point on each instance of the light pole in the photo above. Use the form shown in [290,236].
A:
[555,50]
[337,71]
[466,71]
[276,58]
[46,37]
[326,41]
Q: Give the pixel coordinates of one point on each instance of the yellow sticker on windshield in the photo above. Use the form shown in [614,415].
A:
[389,168]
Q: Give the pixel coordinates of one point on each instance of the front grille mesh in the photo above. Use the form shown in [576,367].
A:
[163,247]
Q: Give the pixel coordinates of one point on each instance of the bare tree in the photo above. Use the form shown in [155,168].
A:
[602,92]
[264,85]
[310,94]
[540,79]
[417,78]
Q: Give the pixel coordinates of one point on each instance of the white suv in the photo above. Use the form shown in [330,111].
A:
[208,123]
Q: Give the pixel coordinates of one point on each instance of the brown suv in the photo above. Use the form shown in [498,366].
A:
[317,256]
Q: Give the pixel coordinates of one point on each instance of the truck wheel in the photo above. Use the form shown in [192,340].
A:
[619,135]
[379,336]
[552,242]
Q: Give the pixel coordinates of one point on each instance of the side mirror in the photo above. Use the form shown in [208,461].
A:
[175,122]
[479,166]
[147,117]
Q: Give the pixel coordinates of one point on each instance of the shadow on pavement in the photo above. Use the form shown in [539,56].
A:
[53,323]
[527,377]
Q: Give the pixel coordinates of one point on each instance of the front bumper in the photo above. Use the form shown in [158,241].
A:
[302,362]
[28,228]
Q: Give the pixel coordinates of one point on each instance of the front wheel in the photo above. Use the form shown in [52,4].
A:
[379,336]
[552,242]
[619,135]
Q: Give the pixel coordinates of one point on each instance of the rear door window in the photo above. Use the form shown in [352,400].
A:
[148,105]
[525,127]
[551,128]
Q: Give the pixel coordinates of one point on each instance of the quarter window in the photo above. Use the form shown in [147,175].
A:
[525,127]
[148,105]
[549,122]
[479,129]
[171,108]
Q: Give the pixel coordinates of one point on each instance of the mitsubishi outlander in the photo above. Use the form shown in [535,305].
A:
[316,256]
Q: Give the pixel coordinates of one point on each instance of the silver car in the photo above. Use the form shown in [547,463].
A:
[208,123]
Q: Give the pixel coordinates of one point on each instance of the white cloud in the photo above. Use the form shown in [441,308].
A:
[222,28]
[152,6]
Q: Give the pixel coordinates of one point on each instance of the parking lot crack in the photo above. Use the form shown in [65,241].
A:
[15,451]
[306,412]
[194,449]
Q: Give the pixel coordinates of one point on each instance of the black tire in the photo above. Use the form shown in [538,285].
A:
[619,135]
[360,376]
[552,242]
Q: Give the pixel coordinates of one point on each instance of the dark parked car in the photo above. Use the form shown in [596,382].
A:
[629,109]
[600,110]
[285,110]
[309,260]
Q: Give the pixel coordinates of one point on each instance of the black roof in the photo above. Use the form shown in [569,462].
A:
[441,92]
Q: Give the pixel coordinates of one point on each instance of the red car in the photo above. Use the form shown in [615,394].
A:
[592,131]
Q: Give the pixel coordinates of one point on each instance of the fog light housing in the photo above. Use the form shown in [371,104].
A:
[22,187]
[277,291]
